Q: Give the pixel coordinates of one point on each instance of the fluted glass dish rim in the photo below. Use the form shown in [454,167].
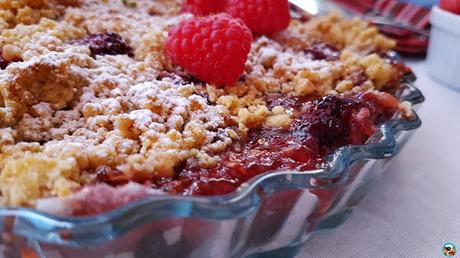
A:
[38,226]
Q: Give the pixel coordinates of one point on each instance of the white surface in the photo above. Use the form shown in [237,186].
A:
[415,207]
[445,20]
[444,51]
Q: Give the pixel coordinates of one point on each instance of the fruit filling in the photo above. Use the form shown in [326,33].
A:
[319,127]
[105,102]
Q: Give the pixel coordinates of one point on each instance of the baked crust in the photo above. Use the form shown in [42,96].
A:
[64,112]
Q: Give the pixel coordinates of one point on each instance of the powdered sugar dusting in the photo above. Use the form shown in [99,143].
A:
[75,112]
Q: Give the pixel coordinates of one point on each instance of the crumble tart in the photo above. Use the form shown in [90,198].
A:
[91,103]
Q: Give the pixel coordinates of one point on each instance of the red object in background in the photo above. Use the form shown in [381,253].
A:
[203,7]
[450,5]
[406,23]
[261,16]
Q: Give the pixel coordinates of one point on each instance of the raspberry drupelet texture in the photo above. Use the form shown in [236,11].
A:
[261,16]
[203,7]
[213,48]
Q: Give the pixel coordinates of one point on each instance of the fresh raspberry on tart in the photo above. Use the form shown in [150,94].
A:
[213,48]
[203,7]
[261,16]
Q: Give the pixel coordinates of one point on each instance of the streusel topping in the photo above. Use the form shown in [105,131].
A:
[66,110]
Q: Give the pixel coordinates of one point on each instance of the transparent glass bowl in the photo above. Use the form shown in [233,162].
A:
[270,216]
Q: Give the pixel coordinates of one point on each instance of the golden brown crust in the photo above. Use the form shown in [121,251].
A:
[64,113]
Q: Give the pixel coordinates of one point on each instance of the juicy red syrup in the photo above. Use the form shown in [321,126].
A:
[319,127]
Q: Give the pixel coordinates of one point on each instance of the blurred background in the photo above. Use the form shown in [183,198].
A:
[414,209]
[403,20]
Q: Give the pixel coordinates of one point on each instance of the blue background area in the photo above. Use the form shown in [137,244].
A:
[422,2]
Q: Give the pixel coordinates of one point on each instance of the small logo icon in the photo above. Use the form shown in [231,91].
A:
[449,250]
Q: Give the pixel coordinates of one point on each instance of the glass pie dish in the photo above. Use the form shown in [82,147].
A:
[269,216]
[98,129]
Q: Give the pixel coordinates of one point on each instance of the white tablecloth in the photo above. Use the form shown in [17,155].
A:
[415,208]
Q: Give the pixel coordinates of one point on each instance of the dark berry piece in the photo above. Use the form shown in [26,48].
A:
[326,120]
[3,62]
[277,99]
[322,51]
[109,43]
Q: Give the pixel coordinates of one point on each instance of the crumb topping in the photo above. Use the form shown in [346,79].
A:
[69,108]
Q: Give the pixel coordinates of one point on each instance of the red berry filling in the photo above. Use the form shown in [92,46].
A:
[319,127]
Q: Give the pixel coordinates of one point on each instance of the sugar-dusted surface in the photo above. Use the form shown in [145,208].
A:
[66,111]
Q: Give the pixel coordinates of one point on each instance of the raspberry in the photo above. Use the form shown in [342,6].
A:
[214,48]
[203,7]
[109,43]
[261,16]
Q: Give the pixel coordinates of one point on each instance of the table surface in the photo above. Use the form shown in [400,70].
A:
[415,207]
